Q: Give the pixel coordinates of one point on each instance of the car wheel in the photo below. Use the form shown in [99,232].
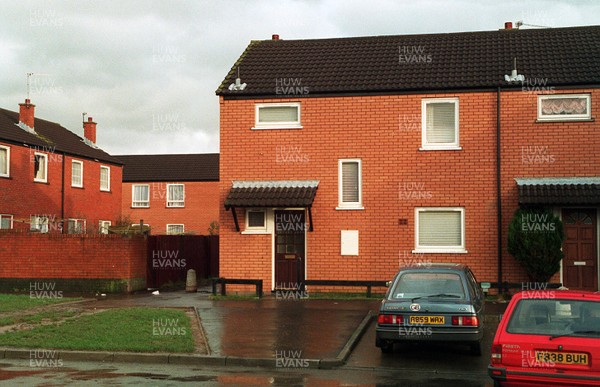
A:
[476,348]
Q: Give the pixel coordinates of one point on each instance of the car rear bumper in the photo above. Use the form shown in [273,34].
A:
[424,333]
[520,377]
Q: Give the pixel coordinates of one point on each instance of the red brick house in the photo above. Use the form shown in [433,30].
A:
[173,194]
[345,158]
[52,180]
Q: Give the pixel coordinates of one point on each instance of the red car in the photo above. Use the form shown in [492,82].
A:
[548,338]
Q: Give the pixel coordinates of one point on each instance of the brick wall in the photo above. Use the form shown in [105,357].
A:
[201,207]
[385,133]
[22,197]
[80,263]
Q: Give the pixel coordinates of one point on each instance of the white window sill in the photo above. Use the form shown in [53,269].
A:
[104,190]
[277,127]
[440,251]
[255,232]
[40,181]
[349,208]
[565,119]
[432,148]
[7,176]
[140,207]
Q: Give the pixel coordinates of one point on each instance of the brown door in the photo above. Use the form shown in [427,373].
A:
[580,270]
[290,230]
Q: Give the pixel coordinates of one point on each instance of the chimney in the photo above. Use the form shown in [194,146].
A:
[508,26]
[275,37]
[27,113]
[89,130]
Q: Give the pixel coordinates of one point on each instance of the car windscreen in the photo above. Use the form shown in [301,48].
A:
[428,284]
[555,317]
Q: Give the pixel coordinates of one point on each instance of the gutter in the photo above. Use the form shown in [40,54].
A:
[499,188]
[62,194]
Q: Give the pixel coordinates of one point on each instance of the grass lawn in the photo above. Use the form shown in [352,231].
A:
[132,329]
[52,315]
[18,302]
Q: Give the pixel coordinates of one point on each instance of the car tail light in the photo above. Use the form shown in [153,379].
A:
[390,319]
[469,321]
[496,354]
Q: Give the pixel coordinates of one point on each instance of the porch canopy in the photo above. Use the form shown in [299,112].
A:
[271,193]
[559,190]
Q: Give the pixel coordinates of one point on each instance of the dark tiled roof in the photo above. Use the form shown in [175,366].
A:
[278,193]
[454,61]
[49,137]
[183,167]
[574,190]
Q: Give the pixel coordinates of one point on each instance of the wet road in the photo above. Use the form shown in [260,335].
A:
[18,372]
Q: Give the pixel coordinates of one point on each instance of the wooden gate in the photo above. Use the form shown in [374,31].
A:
[171,256]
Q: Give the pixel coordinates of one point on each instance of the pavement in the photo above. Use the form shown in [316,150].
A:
[270,332]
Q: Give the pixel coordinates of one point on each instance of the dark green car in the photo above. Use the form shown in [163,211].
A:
[432,302]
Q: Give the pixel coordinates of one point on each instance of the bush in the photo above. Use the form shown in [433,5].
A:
[535,238]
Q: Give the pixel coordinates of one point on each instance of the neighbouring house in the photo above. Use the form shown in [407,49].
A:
[172,194]
[52,180]
[346,158]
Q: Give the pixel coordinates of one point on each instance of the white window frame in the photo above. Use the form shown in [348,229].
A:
[175,203]
[2,216]
[133,202]
[176,224]
[570,117]
[80,185]
[277,125]
[436,146]
[35,224]
[45,156]
[82,222]
[255,230]
[107,189]
[104,225]
[349,205]
[7,149]
[440,249]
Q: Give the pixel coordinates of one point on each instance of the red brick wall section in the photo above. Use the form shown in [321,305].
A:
[92,256]
[201,207]
[22,197]
[385,132]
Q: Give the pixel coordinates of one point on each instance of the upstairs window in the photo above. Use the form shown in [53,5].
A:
[175,195]
[278,116]
[350,184]
[40,168]
[76,174]
[564,107]
[104,178]
[140,195]
[4,161]
[440,124]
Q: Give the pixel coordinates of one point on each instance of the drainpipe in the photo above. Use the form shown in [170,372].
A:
[499,189]
[62,195]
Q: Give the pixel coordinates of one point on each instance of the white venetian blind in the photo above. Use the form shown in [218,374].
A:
[350,191]
[440,228]
[278,114]
[3,161]
[440,123]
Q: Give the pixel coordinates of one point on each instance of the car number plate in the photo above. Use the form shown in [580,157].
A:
[427,320]
[562,357]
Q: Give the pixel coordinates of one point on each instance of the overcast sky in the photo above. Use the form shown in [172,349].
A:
[147,71]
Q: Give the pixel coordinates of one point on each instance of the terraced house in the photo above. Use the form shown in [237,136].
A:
[52,180]
[172,194]
[345,158]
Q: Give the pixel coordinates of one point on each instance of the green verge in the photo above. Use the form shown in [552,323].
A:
[51,315]
[132,329]
[19,302]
